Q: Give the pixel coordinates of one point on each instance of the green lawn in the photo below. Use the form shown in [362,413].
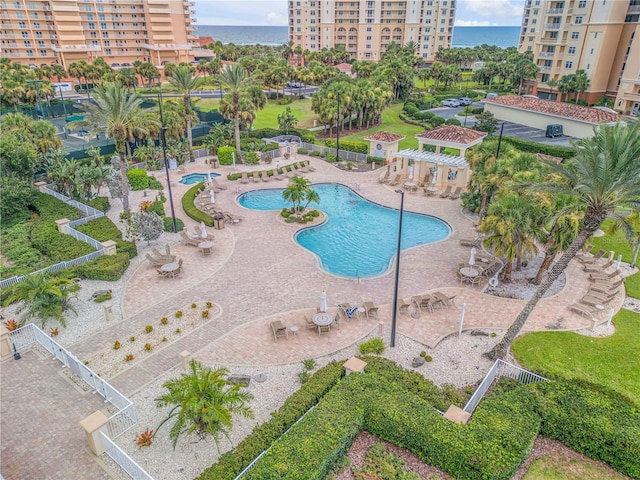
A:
[610,361]
[391,123]
[268,117]
[560,467]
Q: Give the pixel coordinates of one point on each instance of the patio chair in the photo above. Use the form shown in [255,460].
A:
[456,194]
[370,310]
[594,259]
[308,323]
[475,281]
[384,177]
[156,262]
[265,176]
[603,275]
[161,273]
[311,167]
[425,180]
[589,300]
[279,330]
[396,180]
[187,240]
[159,255]
[584,310]
[324,329]
[603,297]
[349,311]
[588,267]
[446,193]
[445,300]
[256,177]
[277,175]
[244,178]
[403,306]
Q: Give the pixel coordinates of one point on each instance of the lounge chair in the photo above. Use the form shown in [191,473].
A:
[279,330]
[244,178]
[601,268]
[308,323]
[161,256]
[446,193]
[456,194]
[304,168]
[584,310]
[256,177]
[603,275]
[602,297]
[446,300]
[591,301]
[277,175]
[396,180]
[370,310]
[215,183]
[384,177]
[311,167]
[403,306]
[349,311]
[594,259]
[265,176]
[194,242]
[230,217]
[425,180]
[586,248]
[156,262]
[466,242]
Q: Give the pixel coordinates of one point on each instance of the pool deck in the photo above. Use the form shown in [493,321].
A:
[259,274]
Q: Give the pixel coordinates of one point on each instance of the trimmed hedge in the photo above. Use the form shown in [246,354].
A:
[358,147]
[100,203]
[535,147]
[106,267]
[138,179]
[225,155]
[232,463]
[103,229]
[191,210]
[168,224]
[592,420]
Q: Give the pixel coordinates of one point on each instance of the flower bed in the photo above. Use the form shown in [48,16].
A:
[139,344]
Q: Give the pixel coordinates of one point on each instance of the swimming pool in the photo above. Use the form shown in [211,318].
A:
[359,238]
[192,178]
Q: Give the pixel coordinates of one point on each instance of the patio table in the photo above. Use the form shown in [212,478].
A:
[322,319]
[469,272]
[206,248]
[170,268]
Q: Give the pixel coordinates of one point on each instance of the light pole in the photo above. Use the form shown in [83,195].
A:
[500,142]
[64,107]
[338,132]
[395,291]
[163,139]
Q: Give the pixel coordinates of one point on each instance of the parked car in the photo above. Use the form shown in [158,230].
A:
[451,102]
[115,65]
[492,95]
[126,65]
[294,84]
[465,101]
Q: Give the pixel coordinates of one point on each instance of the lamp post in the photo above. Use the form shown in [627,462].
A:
[338,132]
[395,291]
[64,107]
[163,139]
[500,141]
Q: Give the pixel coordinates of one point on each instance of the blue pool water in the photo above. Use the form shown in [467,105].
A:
[359,237]
[192,178]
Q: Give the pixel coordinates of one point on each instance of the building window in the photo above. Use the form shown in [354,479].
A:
[572,50]
[591,52]
[22,25]
[578,20]
[544,78]
[368,46]
[595,35]
[93,35]
[108,51]
[29,53]
[92,26]
[588,66]
[568,65]
[575,35]
[582,4]
[105,34]
[369,29]
[368,37]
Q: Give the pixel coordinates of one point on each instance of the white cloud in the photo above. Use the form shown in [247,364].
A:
[474,23]
[276,19]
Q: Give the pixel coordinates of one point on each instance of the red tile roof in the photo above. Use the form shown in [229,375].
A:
[453,134]
[559,109]
[344,66]
[385,137]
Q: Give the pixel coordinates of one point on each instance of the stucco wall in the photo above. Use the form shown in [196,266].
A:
[539,120]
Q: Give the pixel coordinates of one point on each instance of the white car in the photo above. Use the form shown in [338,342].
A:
[451,102]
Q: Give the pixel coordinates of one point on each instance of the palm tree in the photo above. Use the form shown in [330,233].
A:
[234,82]
[552,83]
[43,297]
[604,175]
[298,191]
[184,82]
[202,402]
[118,114]
[581,83]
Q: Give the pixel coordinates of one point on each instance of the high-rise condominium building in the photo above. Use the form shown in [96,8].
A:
[365,27]
[36,32]
[601,37]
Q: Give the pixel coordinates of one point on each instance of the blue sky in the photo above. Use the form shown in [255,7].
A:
[274,12]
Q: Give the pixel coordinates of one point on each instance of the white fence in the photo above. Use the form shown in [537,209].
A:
[500,369]
[121,421]
[311,147]
[90,213]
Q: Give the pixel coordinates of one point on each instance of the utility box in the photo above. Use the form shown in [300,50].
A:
[554,130]
[218,223]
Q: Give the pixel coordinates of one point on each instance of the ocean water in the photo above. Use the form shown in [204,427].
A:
[249,35]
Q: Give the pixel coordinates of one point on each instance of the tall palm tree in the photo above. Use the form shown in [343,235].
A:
[202,402]
[234,82]
[552,83]
[581,83]
[184,82]
[604,175]
[118,114]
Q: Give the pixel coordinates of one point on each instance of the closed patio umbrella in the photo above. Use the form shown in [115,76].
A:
[411,172]
[472,259]
[213,196]
[203,227]
[209,176]
[323,301]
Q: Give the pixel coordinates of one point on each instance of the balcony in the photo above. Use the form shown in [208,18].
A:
[545,69]
[166,46]
[552,26]
[554,11]
[634,9]
[547,54]
[76,48]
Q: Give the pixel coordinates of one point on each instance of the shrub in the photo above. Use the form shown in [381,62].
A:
[99,203]
[103,298]
[191,210]
[225,156]
[303,151]
[138,179]
[168,224]
[251,158]
[178,330]
[194,305]
[309,364]
[209,304]
[128,357]
[205,314]
[157,207]
[154,184]
[103,229]
[106,267]
[178,314]
[232,463]
[148,347]
[145,438]
[315,153]
[304,376]
[452,121]
[375,345]
[54,332]
[132,339]
[164,321]
[148,328]
[535,147]
[358,147]
[330,157]
[116,345]
[164,339]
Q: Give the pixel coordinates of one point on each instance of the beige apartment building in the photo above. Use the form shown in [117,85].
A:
[601,37]
[37,32]
[365,27]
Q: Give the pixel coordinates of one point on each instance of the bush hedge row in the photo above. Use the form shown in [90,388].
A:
[103,229]
[358,147]
[232,463]
[535,147]
[100,203]
[106,267]
[190,209]
[285,168]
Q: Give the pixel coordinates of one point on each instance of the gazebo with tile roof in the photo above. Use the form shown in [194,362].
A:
[384,144]
[439,167]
